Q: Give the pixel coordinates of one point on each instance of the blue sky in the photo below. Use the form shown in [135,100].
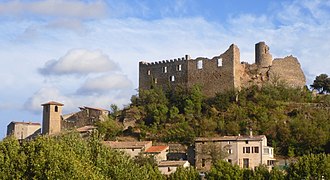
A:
[86,53]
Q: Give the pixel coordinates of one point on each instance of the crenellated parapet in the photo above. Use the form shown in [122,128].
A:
[186,57]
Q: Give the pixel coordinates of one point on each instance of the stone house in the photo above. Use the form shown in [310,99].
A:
[133,148]
[244,151]
[158,152]
[223,72]
[23,130]
[169,167]
[86,116]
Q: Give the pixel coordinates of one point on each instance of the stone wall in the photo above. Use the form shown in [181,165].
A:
[222,73]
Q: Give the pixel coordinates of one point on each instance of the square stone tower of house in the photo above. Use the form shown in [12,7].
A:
[51,121]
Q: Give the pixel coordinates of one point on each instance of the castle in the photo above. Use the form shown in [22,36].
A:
[222,73]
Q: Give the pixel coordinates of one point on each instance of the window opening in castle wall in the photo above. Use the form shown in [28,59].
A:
[179,67]
[172,78]
[200,64]
[219,62]
[165,69]
[148,72]
[155,80]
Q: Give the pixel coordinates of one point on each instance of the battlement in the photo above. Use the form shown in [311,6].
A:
[143,63]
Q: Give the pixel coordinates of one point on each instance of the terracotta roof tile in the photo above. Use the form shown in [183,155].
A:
[52,103]
[156,149]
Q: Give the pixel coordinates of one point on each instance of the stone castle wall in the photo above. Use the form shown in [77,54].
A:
[223,72]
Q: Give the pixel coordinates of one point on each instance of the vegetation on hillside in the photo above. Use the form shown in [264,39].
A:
[68,156]
[294,121]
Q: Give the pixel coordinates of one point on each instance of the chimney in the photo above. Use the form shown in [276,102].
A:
[251,134]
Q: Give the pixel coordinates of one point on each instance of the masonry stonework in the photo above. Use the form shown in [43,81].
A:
[222,73]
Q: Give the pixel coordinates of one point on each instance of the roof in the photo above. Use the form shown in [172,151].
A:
[231,138]
[126,144]
[156,149]
[171,163]
[98,109]
[52,103]
[86,128]
[26,123]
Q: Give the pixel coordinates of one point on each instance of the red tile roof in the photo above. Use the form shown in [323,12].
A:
[52,103]
[156,149]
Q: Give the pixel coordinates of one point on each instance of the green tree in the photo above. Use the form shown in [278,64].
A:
[322,83]
[224,170]
[313,166]
[181,173]
[109,128]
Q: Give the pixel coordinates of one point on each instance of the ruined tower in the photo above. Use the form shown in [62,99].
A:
[51,121]
[262,55]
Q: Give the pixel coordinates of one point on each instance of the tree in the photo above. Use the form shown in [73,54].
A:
[224,170]
[181,173]
[313,166]
[322,84]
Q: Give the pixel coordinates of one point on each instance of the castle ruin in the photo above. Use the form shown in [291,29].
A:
[222,73]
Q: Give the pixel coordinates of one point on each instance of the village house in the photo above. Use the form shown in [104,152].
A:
[132,148]
[169,167]
[158,152]
[23,130]
[244,151]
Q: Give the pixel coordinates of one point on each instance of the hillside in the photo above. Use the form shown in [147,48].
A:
[295,121]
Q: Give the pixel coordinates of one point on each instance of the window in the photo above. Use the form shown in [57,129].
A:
[132,149]
[172,78]
[219,62]
[200,64]
[168,169]
[56,108]
[245,163]
[229,142]
[246,149]
[256,149]
[229,151]
[165,69]
[270,162]
[266,151]
[246,142]
[203,162]
[148,72]
[155,80]
[179,67]
[230,161]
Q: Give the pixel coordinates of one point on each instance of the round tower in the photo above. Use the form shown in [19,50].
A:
[262,55]
[51,120]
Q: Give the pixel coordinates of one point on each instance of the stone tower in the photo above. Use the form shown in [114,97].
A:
[51,121]
[263,57]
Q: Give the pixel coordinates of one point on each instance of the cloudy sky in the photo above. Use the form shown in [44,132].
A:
[87,52]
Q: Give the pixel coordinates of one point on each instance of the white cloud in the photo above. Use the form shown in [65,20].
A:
[44,95]
[79,61]
[105,83]
[54,8]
